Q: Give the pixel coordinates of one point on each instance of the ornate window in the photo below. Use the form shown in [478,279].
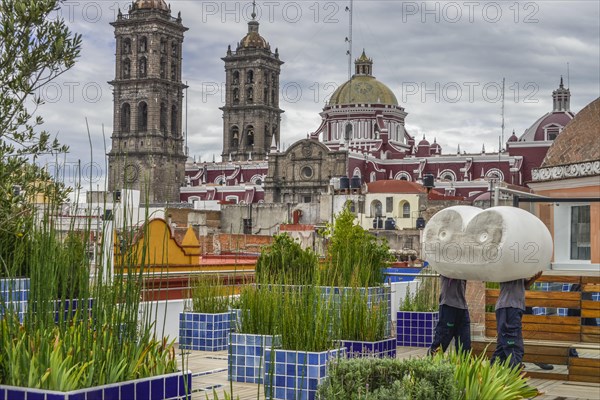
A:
[174,120]
[125,117]
[174,71]
[266,96]
[126,49]
[250,95]
[551,131]
[376,208]
[143,67]
[348,131]
[406,210]
[447,175]
[250,136]
[494,174]
[174,49]
[163,117]
[235,137]
[236,77]
[126,69]
[143,47]
[142,116]
[236,96]
[163,46]
[250,76]
[163,68]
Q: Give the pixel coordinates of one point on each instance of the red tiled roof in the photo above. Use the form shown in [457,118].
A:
[395,186]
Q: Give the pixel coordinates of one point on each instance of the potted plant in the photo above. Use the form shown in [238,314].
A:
[258,327]
[208,319]
[308,330]
[418,313]
[365,325]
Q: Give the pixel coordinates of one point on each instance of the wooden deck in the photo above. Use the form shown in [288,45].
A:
[210,373]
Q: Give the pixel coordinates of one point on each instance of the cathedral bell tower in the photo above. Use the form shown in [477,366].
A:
[147,143]
[251,115]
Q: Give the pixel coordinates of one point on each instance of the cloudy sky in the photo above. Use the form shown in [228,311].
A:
[444,60]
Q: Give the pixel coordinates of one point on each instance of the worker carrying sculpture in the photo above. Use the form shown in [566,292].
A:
[500,244]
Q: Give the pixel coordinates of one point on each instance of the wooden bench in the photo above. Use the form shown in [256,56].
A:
[549,339]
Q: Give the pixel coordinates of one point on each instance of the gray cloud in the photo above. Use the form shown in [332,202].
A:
[455,64]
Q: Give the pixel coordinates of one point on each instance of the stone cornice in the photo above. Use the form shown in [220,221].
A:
[568,171]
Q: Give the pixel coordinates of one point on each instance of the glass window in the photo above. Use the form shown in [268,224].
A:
[580,233]
[406,210]
[389,204]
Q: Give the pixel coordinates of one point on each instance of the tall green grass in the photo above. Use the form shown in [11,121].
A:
[285,262]
[426,297]
[209,295]
[109,343]
[361,320]
[260,310]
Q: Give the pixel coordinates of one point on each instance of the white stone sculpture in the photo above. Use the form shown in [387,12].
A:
[499,244]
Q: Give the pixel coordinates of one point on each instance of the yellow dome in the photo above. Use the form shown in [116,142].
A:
[363,89]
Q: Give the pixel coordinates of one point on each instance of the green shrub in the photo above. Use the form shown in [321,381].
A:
[378,379]
[285,262]
[354,256]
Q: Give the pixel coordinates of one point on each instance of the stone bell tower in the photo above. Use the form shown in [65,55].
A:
[251,115]
[147,143]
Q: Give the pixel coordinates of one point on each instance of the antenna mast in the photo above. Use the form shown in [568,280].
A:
[187,149]
[502,139]
[348,127]
[568,77]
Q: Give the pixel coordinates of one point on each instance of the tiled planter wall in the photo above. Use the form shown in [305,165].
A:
[70,307]
[379,349]
[175,386]
[206,332]
[246,358]
[416,328]
[293,375]
[14,294]
[396,270]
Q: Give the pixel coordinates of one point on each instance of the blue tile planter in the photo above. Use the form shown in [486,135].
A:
[206,332]
[176,386]
[379,349]
[415,328]
[70,306]
[14,294]
[293,375]
[246,357]
[399,270]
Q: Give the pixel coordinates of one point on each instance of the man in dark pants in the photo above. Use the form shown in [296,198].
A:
[454,319]
[510,307]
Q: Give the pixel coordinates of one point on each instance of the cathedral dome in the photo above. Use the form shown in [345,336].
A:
[363,88]
[151,5]
[253,40]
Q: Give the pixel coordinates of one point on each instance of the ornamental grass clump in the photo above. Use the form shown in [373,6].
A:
[210,295]
[260,310]
[361,319]
[82,326]
[354,256]
[426,296]
[308,321]
[477,378]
